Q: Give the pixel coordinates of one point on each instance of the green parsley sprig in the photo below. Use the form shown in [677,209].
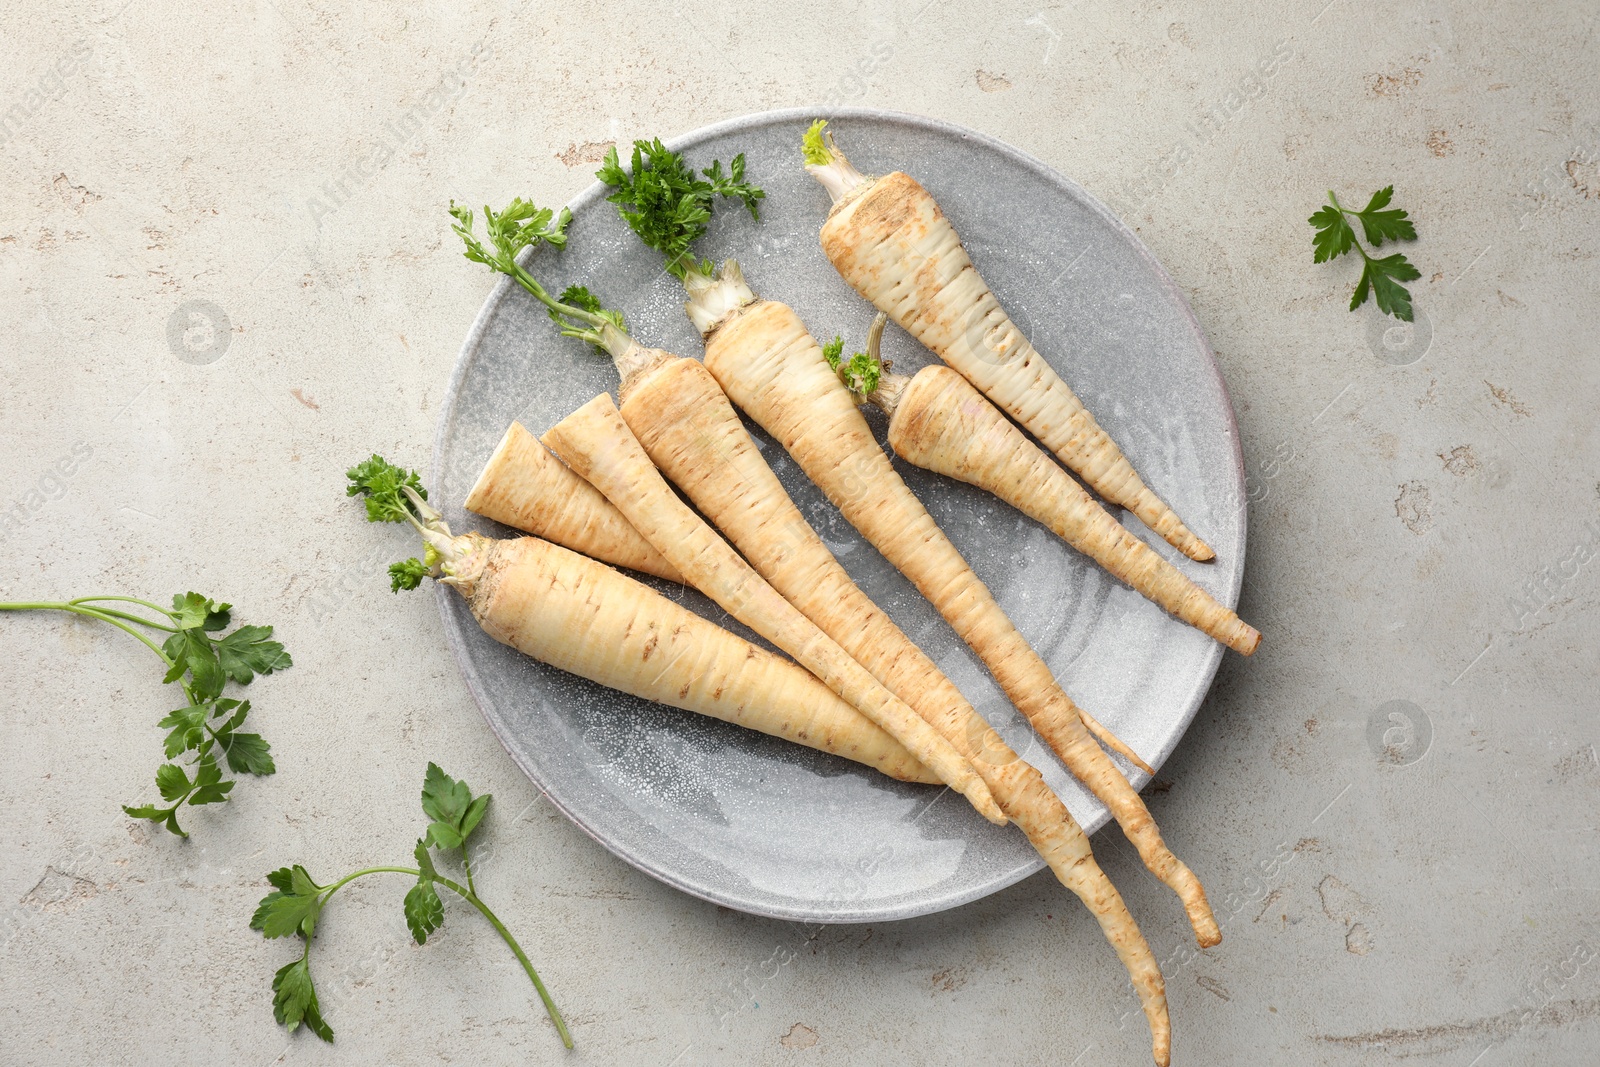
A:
[522,225]
[667,206]
[863,371]
[296,904]
[209,724]
[394,494]
[1379,223]
[388,491]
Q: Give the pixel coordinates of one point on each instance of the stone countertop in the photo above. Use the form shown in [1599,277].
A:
[226,270]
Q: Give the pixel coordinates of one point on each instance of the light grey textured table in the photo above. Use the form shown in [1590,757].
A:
[227,271]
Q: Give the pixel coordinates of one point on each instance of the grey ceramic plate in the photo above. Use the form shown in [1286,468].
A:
[752,823]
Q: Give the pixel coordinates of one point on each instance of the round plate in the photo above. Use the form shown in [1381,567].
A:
[774,829]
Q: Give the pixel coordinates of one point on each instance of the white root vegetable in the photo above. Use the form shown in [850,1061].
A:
[582,616]
[596,443]
[693,435]
[939,422]
[524,486]
[770,366]
[887,238]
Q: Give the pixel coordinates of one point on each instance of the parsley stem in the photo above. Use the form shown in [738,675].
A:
[471,898]
[466,863]
[114,613]
[531,284]
[522,957]
[129,600]
[330,890]
[1342,210]
[103,614]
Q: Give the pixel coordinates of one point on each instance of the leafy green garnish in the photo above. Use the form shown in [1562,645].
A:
[1381,277]
[384,486]
[407,574]
[450,805]
[667,206]
[296,904]
[521,225]
[579,296]
[381,483]
[863,372]
[814,148]
[207,726]
[395,494]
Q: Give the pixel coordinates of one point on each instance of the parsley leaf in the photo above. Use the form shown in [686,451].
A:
[295,906]
[833,351]
[1380,277]
[209,788]
[451,806]
[424,910]
[1384,277]
[292,908]
[191,610]
[247,753]
[294,999]
[172,782]
[1380,226]
[863,372]
[380,482]
[521,225]
[1333,238]
[667,206]
[407,574]
[192,653]
[580,297]
[188,728]
[248,651]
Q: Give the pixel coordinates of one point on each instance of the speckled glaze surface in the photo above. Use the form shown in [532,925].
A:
[753,823]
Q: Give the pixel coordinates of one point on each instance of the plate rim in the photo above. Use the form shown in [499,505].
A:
[447,601]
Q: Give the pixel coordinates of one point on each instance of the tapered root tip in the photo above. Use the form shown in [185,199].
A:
[1199,551]
[1114,743]
[978,793]
[1207,933]
[1246,641]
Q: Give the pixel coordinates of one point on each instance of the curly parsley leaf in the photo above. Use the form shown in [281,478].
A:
[380,482]
[667,205]
[407,574]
